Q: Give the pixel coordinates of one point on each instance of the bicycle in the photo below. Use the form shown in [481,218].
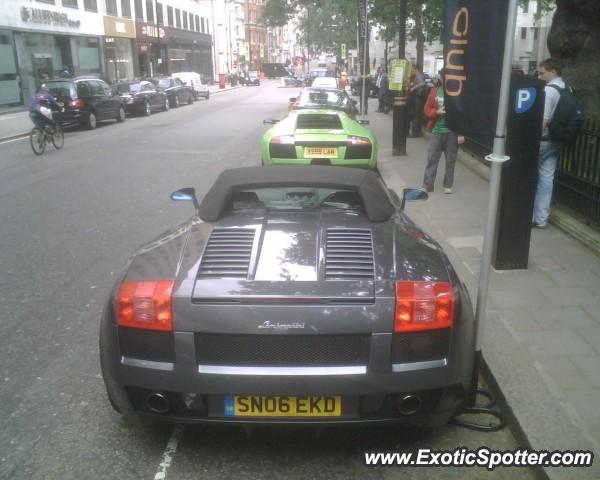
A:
[41,135]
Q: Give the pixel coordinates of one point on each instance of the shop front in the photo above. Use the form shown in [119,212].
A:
[47,42]
[119,45]
[151,49]
[190,52]
[10,91]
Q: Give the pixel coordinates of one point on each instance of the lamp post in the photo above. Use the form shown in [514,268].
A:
[400,120]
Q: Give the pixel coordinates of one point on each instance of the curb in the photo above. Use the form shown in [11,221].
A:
[19,136]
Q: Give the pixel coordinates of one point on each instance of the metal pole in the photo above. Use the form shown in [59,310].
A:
[365,99]
[497,158]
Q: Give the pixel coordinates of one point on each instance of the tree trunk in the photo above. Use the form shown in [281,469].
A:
[420,36]
[574,39]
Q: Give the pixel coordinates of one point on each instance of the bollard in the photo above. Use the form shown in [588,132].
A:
[400,125]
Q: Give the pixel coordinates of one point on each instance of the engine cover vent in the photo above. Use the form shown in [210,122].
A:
[349,254]
[318,121]
[227,253]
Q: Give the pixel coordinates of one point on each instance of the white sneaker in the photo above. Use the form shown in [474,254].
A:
[447,191]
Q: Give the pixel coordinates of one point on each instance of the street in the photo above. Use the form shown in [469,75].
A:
[70,218]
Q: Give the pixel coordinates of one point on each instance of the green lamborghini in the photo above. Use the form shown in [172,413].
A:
[319,137]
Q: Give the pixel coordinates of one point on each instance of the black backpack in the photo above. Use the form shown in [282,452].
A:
[567,120]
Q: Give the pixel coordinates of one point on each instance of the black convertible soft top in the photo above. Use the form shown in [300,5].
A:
[369,186]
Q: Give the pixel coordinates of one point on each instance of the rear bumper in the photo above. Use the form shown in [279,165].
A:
[367,163]
[71,116]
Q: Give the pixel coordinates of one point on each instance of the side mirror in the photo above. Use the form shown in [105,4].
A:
[270,121]
[186,195]
[363,122]
[293,99]
[413,195]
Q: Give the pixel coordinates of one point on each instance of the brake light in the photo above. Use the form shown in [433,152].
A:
[79,103]
[358,141]
[146,305]
[423,306]
[283,140]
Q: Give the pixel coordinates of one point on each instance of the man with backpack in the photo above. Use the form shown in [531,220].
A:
[563,118]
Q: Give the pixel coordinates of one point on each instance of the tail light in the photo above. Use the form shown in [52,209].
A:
[423,306]
[283,140]
[358,141]
[79,103]
[146,305]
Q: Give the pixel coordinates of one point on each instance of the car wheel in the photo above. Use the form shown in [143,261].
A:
[121,115]
[147,108]
[91,122]
[176,102]
[167,105]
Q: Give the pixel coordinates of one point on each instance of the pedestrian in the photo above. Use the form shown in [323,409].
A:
[549,71]
[382,90]
[442,139]
[418,95]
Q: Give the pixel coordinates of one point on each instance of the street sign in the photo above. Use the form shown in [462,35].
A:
[399,74]
[343,50]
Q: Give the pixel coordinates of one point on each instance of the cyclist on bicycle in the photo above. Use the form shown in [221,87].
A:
[41,107]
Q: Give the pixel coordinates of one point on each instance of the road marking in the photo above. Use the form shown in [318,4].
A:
[12,140]
[169,453]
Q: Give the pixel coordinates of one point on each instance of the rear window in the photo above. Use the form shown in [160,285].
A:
[164,82]
[59,89]
[296,198]
[129,87]
[323,98]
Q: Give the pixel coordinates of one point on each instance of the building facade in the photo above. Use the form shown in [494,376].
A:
[256,47]
[113,39]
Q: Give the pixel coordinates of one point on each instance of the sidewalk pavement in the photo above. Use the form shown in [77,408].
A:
[542,325]
[15,122]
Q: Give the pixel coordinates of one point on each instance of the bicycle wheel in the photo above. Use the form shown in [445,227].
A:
[58,137]
[37,139]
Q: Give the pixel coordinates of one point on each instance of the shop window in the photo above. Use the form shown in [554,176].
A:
[126,8]
[46,1]
[178,18]
[88,55]
[10,92]
[69,3]
[185,20]
[111,7]
[90,5]
[159,14]
[149,10]
[139,11]
[170,15]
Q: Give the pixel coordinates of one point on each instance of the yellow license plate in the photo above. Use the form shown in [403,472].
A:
[266,406]
[320,152]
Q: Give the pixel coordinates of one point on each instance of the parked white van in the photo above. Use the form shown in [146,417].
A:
[193,80]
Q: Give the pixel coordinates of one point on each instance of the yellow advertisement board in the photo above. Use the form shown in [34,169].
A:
[400,71]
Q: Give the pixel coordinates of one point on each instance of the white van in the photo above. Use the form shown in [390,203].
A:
[193,80]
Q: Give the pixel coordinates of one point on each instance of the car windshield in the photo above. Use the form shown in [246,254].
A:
[59,89]
[129,87]
[296,198]
[164,82]
[326,98]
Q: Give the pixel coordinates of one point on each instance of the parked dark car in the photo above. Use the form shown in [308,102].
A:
[85,100]
[253,78]
[326,98]
[176,90]
[142,98]
[296,295]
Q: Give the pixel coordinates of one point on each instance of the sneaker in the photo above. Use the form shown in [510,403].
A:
[447,191]
[539,225]
[427,189]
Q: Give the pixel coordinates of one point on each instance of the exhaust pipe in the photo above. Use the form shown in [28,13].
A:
[157,403]
[409,404]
